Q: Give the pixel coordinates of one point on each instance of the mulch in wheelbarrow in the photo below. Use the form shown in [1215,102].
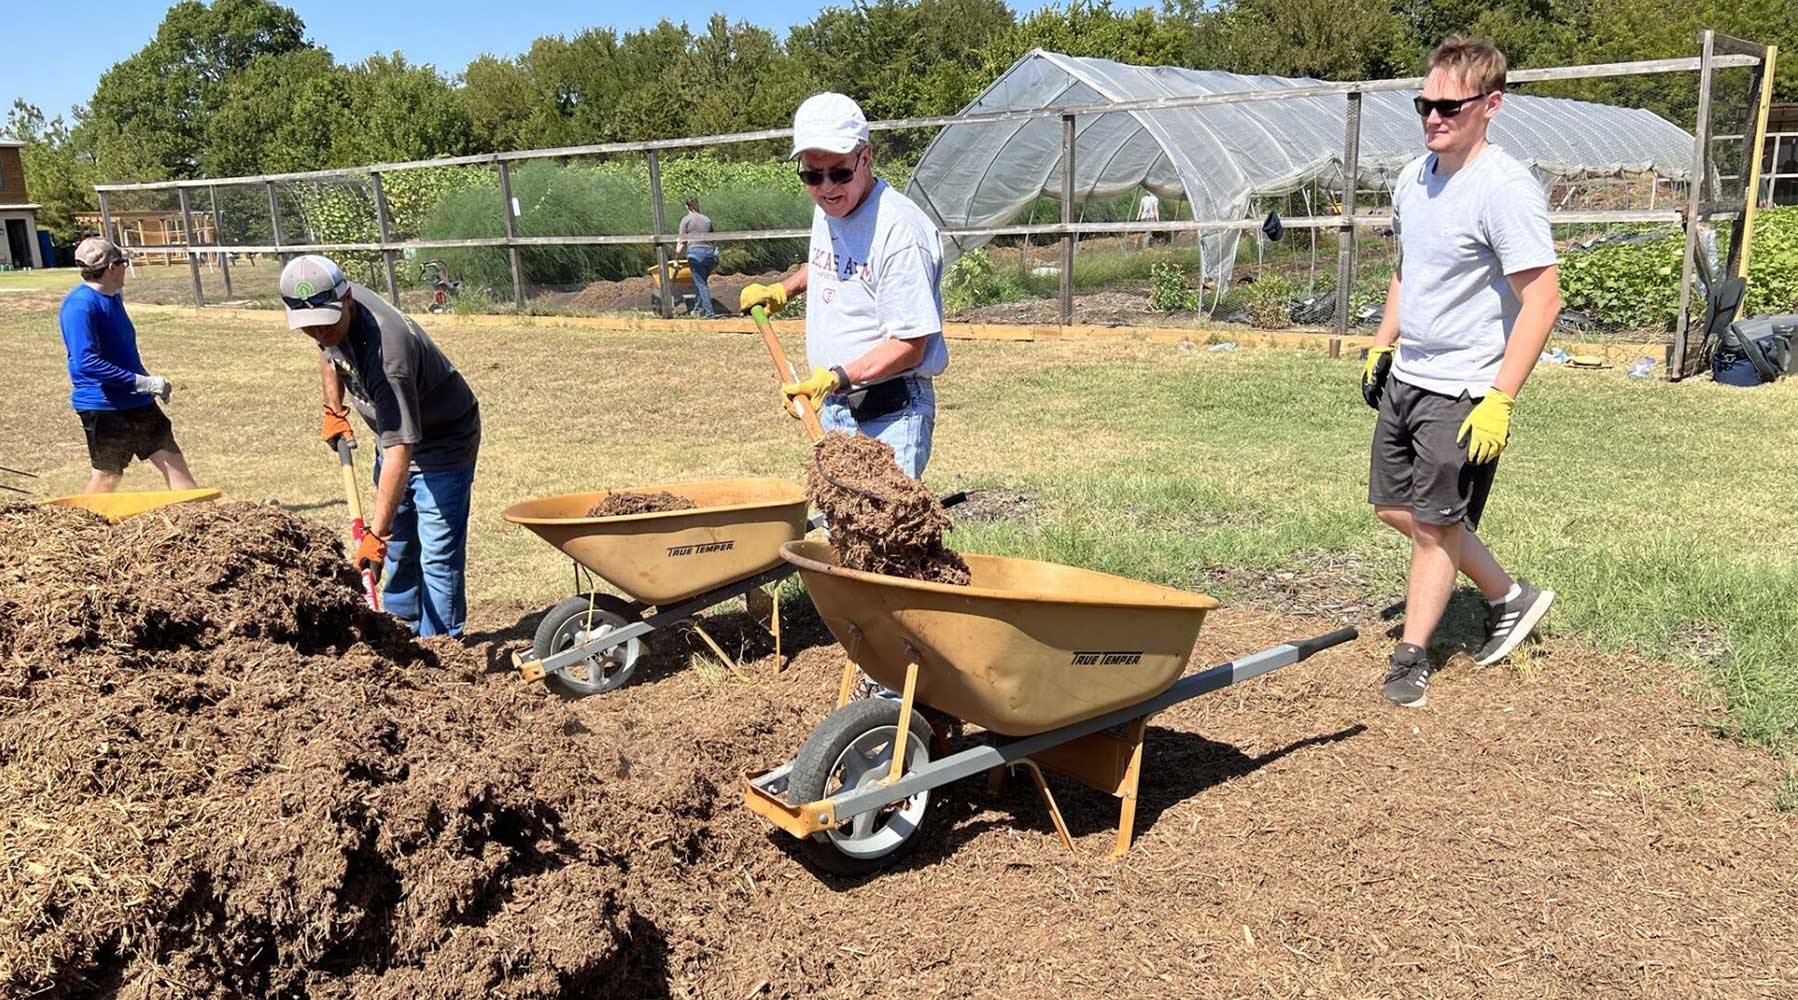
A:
[881,520]
[621,502]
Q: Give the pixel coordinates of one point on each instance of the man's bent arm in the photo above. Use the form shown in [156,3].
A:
[333,385]
[1539,289]
[887,358]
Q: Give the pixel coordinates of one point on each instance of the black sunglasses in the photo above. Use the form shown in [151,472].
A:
[1446,108]
[316,301]
[837,175]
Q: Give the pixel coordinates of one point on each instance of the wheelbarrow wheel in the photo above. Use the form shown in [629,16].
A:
[568,624]
[853,748]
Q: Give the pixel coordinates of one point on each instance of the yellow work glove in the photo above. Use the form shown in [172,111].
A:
[1489,426]
[770,297]
[822,382]
[1373,374]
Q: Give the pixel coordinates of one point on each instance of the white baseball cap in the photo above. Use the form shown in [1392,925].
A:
[828,121]
[313,287]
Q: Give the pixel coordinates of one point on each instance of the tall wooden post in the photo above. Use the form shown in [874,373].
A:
[393,288]
[1700,180]
[1067,218]
[1345,246]
[511,217]
[218,228]
[659,223]
[193,257]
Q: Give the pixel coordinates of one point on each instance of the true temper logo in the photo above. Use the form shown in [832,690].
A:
[1107,658]
[700,550]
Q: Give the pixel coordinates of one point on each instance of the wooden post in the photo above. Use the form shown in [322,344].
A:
[212,192]
[1067,218]
[1701,168]
[393,287]
[193,258]
[658,222]
[1760,100]
[1345,246]
[106,222]
[274,218]
[511,217]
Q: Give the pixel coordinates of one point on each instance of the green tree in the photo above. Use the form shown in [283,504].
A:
[248,134]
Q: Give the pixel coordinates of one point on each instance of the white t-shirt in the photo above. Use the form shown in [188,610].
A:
[875,275]
[1149,208]
[1460,237]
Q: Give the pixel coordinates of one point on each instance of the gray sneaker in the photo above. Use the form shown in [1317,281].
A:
[1407,676]
[1512,621]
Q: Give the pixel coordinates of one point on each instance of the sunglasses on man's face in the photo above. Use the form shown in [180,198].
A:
[1447,108]
[837,175]
[315,301]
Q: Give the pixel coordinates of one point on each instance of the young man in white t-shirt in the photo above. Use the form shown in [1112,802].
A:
[1148,210]
[874,305]
[1469,309]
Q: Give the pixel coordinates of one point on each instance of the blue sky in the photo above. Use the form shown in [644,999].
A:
[59,50]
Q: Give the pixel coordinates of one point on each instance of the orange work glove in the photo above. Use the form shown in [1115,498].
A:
[337,425]
[371,553]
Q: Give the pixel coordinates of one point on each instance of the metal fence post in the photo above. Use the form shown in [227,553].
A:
[1701,168]
[1067,218]
[658,223]
[212,192]
[511,217]
[393,287]
[193,258]
[274,219]
[1345,244]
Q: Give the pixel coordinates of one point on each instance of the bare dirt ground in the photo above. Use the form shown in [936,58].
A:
[218,778]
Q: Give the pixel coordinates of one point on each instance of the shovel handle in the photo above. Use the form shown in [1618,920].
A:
[348,464]
[783,370]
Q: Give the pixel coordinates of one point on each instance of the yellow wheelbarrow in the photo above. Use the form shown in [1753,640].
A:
[680,279]
[677,563]
[116,507]
[1062,666]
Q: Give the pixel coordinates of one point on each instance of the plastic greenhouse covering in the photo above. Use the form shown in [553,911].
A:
[1220,158]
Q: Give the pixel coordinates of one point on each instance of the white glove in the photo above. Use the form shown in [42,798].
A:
[155,385]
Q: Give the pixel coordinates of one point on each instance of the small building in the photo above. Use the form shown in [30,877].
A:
[18,213]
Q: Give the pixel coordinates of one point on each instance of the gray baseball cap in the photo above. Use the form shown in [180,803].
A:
[96,252]
[313,287]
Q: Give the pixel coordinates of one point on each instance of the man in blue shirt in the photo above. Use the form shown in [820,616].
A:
[111,390]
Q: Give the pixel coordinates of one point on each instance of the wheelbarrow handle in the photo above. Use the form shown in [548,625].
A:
[1306,647]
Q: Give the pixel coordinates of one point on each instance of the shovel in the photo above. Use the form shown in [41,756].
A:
[348,464]
[785,372]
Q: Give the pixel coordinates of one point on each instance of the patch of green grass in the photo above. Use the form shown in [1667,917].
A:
[48,279]
[1785,797]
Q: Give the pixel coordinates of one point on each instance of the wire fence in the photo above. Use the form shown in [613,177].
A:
[595,228]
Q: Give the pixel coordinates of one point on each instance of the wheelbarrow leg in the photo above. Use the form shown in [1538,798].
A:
[905,704]
[1127,788]
[1042,787]
[729,661]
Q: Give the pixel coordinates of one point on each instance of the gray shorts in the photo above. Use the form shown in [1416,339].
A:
[1418,464]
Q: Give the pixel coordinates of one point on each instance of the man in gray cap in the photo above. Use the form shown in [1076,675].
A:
[111,390]
[427,427]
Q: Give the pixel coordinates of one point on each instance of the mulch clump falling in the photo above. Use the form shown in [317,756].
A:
[881,520]
[619,503]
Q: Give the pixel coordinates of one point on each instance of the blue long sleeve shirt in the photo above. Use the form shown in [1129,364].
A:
[102,346]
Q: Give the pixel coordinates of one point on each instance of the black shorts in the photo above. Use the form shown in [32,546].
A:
[115,437]
[1417,462]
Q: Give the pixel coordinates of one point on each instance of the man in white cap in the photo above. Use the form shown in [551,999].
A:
[111,390]
[874,307]
[427,426]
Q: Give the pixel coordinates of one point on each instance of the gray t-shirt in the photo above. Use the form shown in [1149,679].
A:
[1460,236]
[694,223]
[404,386]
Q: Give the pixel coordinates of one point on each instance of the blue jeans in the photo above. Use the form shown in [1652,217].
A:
[703,261]
[908,431]
[427,557]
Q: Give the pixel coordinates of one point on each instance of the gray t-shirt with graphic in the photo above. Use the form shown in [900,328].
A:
[405,387]
[1460,237]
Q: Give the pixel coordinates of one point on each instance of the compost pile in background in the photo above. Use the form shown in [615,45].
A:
[618,504]
[881,520]
[221,776]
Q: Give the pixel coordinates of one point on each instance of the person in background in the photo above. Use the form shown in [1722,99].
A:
[1468,310]
[427,427]
[1148,209]
[111,390]
[702,258]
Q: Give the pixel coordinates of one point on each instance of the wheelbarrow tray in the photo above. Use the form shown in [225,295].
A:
[1028,647]
[115,507]
[735,531]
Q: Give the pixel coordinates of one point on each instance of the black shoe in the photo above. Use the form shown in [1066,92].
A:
[1407,676]
[1510,622]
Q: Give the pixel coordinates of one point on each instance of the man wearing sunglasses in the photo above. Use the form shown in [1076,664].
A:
[427,428]
[1469,309]
[111,390]
[874,308]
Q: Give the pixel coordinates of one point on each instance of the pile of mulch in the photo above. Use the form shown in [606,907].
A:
[620,503]
[881,520]
[221,776]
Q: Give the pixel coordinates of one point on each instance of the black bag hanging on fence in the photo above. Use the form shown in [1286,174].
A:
[1756,351]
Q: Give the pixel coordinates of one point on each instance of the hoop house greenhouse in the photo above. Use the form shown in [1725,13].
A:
[1220,158]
